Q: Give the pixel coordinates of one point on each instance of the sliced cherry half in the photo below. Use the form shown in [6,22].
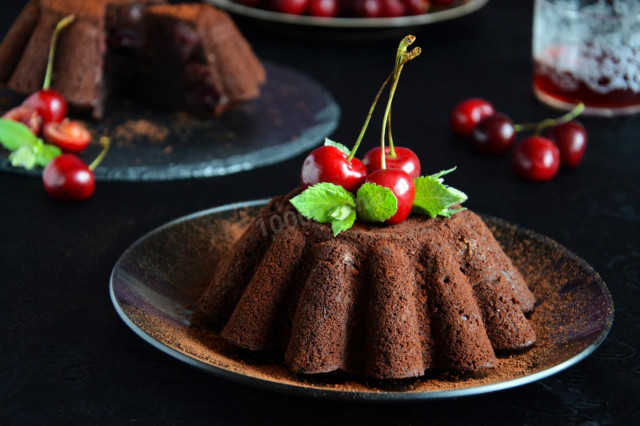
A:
[405,159]
[329,164]
[26,115]
[401,184]
[70,136]
[536,159]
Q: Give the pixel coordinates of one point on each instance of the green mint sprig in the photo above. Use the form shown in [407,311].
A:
[433,198]
[27,150]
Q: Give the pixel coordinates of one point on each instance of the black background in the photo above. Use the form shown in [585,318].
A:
[66,357]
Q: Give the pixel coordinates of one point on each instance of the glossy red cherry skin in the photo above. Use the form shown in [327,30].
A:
[571,138]
[70,136]
[401,184]
[367,8]
[329,164]
[393,8]
[416,7]
[26,115]
[66,177]
[292,7]
[493,135]
[467,114]
[323,8]
[536,159]
[406,160]
[50,105]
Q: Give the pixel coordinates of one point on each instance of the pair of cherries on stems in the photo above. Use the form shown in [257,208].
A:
[536,158]
[44,112]
[394,170]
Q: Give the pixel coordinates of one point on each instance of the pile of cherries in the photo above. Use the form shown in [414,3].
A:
[350,8]
[394,170]
[45,114]
[556,142]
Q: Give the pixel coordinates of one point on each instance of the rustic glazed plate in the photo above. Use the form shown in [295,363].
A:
[157,281]
[292,115]
[461,9]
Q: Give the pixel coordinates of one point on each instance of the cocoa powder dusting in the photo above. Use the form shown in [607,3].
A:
[135,129]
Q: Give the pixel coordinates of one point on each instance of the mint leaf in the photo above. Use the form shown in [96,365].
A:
[327,203]
[376,203]
[338,226]
[433,198]
[46,154]
[14,135]
[341,147]
[23,157]
[442,173]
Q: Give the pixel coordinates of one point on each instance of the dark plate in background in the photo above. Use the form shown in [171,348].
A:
[292,115]
[156,282]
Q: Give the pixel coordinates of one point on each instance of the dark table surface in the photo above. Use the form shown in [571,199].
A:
[66,357]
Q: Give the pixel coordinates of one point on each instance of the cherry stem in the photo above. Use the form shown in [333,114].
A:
[402,57]
[560,120]
[52,49]
[385,119]
[541,125]
[106,143]
[366,122]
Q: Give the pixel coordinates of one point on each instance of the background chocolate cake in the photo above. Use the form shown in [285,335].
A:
[114,43]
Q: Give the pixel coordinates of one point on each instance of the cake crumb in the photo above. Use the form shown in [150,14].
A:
[134,129]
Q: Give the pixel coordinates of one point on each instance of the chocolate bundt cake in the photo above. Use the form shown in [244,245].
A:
[385,302]
[207,66]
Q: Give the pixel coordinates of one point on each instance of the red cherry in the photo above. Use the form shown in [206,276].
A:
[493,135]
[536,158]
[329,164]
[293,7]
[467,114]
[70,136]
[393,8]
[66,177]
[367,8]
[50,105]
[401,184]
[323,8]
[442,3]
[26,115]
[571,138]
[416,7]
[405,159]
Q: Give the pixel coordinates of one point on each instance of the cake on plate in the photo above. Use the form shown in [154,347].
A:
[385,302]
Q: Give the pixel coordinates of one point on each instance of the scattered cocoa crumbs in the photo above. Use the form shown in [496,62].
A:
[136,129]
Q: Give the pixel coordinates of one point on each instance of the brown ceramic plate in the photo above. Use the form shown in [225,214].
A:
[156,282]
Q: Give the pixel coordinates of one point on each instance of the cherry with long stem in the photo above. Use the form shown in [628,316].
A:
[48,103]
